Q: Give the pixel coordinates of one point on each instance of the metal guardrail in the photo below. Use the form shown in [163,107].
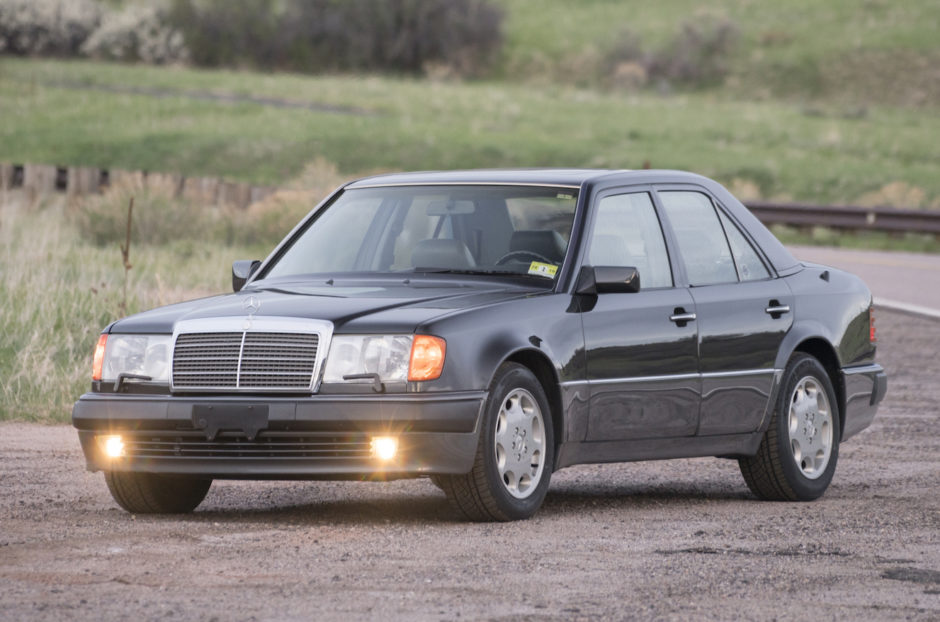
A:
[847,217]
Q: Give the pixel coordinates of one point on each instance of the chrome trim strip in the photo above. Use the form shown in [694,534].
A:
[734,374]
[872,368]
[672,377]
[241,355]
[631,379]
[243,324]
[465,183]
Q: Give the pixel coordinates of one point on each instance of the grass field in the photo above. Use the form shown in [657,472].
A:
[824,153]
[840,50]
[58,292]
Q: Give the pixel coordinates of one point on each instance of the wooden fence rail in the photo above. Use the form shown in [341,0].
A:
[38,180]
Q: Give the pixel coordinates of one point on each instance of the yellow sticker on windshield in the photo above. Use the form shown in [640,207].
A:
[543,269]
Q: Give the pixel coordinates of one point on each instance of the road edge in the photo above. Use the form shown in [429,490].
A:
[910,309]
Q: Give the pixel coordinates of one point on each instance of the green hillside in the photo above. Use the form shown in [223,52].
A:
[863,51]
[85,113]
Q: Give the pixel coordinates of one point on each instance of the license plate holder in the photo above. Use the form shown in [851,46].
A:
[246,418]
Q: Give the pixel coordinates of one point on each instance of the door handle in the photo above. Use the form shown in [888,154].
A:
[776,309]
[681,318]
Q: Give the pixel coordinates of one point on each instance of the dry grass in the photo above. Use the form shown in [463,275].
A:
[62,275]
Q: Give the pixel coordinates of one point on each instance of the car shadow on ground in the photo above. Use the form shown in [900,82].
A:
[426,504]
[574,499]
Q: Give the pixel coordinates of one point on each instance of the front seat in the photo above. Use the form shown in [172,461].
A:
[442,253]
[549,244]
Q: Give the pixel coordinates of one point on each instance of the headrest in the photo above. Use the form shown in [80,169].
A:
[441,253]
[548,244]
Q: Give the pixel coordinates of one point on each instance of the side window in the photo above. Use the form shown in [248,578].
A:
[702,241]
[750,267]
[627,233]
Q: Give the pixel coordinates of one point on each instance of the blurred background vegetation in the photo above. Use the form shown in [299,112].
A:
[829,102]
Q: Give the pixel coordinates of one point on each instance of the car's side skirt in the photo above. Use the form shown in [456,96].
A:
[657,449]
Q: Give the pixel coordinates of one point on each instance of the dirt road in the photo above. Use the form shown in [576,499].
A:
[669,540]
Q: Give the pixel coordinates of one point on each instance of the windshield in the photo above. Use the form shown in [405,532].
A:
[472,229]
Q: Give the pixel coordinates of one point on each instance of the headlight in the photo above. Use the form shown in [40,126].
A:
[137,355]
[354,355]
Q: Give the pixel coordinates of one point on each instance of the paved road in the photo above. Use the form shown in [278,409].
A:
[673,540]
[908,278]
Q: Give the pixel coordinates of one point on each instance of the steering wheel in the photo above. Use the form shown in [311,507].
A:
[513,254]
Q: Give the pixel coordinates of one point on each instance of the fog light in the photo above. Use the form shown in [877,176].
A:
[113,446]
[384,447]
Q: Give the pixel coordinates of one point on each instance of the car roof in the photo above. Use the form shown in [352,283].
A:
[571,177]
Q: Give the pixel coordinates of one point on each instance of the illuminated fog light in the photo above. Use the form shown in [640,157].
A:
[384,447]
[113,446]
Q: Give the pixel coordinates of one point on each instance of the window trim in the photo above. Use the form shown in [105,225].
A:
[737,266]
[675,269]
[717,205]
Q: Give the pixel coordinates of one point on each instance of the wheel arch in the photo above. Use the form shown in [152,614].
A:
[541,366]
[825,353]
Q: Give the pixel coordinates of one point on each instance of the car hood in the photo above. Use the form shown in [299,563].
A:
[399,306]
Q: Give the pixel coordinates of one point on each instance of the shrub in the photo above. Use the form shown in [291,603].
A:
[407,36]
[697,56]
[137,33]
[46,27]
[222,33]
[158,218]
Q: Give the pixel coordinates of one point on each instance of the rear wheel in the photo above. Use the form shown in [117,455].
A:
[515,455]
[148,493]
[797,456]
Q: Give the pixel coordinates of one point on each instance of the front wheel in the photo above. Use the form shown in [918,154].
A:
[148,493]
[515,455]
[797,456]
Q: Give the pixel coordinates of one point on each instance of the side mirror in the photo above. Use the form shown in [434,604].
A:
[242,271]
[608,280]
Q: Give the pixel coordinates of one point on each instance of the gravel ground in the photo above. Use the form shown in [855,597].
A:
[667,540]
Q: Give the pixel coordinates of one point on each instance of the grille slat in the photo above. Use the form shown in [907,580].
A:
[266,446]
[273,361]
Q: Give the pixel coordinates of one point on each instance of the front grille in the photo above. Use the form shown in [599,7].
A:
[269,445]
[245,360]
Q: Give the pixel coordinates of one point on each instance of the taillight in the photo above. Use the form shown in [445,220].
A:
[871,324]
[98,362]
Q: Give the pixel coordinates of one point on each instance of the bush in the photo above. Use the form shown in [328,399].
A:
[697,56]
[137,33]
[46,27]
[407,36]
[158,218]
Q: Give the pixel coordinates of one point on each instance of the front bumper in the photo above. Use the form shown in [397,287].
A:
[317,437]
[865,387]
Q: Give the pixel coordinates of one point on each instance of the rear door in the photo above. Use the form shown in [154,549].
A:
[743,312]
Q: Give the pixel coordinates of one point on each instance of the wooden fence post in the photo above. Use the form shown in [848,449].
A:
[82,181]
[38,181]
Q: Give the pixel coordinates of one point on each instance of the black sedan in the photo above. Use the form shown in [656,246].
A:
[485,329]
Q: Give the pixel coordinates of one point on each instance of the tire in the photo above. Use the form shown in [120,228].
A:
[147,493]
[515,454]
[797,456]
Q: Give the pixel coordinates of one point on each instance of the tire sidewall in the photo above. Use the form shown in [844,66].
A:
[509,379]
[804,487]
